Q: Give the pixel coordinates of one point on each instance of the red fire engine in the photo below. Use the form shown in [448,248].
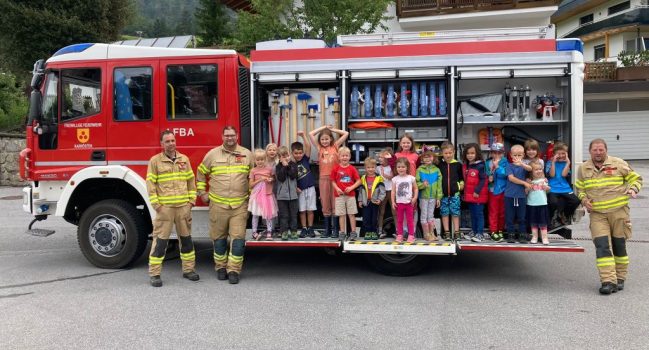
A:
[97,110]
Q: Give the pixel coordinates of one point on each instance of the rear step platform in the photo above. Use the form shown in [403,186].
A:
[299,243]
[392,247]
[556,245]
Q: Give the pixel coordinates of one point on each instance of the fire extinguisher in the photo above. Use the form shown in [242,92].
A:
[549,151]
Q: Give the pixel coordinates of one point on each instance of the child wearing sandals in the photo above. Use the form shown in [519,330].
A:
[262,202]
[404,198]
[537,202]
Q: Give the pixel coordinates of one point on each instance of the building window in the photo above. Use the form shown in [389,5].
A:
[81,93]
[586,19]
[192,91]
[132,98]
[601,106]
[634,105]
[619,7]
[600,52]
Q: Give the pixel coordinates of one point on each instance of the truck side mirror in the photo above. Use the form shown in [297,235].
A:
[35,106]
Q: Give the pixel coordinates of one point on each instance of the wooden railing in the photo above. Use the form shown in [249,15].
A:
[599,71]
[416,8]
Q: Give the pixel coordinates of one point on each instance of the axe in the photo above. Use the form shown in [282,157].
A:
[312,110]
[304,97]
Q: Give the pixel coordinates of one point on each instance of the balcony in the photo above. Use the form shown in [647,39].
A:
[600,71]
[420,8]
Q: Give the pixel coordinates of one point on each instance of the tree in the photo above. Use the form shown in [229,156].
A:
[13,104]
[213,22]
[324,19]
[159,28]
[33,29]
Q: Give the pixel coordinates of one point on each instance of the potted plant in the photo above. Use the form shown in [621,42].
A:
[635,65]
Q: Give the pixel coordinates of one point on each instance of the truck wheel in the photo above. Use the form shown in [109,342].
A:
[111,234]
[398,264]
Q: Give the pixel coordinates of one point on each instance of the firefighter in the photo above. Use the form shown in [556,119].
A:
[227,168]
[172,193]
[604,185]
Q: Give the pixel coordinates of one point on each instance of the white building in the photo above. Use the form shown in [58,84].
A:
[616,107]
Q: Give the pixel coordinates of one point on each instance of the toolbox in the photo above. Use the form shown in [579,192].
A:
[424,133]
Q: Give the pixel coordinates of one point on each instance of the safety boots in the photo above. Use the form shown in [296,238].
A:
[608,288]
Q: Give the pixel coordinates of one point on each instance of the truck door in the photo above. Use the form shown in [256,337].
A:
[133,132]
[81,138]
[195,103]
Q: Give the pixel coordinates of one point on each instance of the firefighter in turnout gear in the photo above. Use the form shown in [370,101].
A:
[227,168]
[604,185]
[172,193]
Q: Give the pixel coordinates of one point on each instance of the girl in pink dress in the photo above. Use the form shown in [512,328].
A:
[262,200]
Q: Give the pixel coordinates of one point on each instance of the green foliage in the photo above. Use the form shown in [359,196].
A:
[324,19]
[213,22]
[158,18]
[33,29]
[634,59]
[13,103]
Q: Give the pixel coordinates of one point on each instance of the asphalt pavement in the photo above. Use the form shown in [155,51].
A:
[52,298]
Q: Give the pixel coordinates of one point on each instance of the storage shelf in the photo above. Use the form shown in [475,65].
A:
[406,119]
[517,122]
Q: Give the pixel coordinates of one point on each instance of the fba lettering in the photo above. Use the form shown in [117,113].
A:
[183,132]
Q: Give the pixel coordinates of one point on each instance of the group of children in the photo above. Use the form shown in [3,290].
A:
[283,188]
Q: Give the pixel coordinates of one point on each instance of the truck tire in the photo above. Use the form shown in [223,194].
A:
[112,234]
[398,264]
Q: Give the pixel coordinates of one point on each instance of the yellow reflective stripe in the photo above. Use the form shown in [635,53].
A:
[225,200]
[200,185]
[632,176]
[235,259]
[176,199]
[175,173]
[203,169]
[581,196]
[603,179]
[151,177]
[188,256]
[604,184]
[606,261]
[622,260]
[230,169]
[219,257]
[612,203]
[154,260]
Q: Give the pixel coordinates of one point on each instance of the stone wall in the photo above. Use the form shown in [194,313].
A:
[10,147]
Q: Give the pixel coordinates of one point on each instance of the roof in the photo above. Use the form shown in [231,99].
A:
[569,8]
[91,51]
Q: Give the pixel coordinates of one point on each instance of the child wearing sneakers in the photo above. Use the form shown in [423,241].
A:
[537,203]
[286,194]
[452,184]
[515,197]
[429,183]
[305,185]
[561,199]
[404,198]
[475,192]
[496,172]
[370,196]
[385,170]
[344,180]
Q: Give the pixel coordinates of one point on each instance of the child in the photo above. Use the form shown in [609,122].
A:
[429,183]
[515,198]
[532,152]
[305,186]
[327,160]
[404,197]
[262,200]
[370,196]
[286,192]
[561,199]
[538,204]
[385,170]
[271,161]
[406,150]
[496,171]
[344,180]
[476,188]
[452,184]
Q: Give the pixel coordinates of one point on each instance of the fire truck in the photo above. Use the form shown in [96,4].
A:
[96,112]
